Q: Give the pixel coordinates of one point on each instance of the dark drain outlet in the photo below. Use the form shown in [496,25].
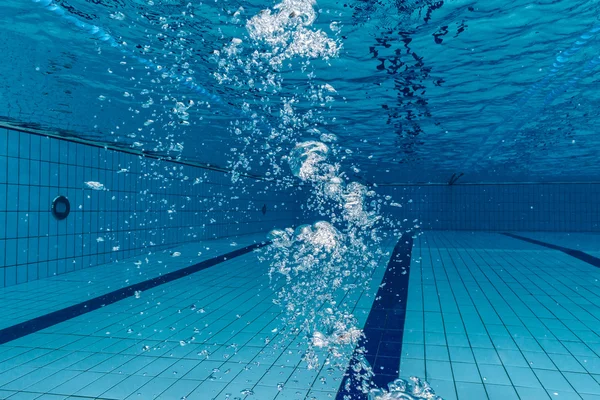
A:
[61,207]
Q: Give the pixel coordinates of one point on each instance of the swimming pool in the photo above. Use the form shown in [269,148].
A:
[299,199]
[486,315]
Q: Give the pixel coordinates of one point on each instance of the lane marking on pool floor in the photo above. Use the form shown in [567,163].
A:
[580,255]
[56,317]
[384,328]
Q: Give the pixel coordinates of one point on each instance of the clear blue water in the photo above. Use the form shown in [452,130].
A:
[424,89]
[299,199]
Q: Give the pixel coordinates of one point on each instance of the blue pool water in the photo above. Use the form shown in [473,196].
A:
[299,199]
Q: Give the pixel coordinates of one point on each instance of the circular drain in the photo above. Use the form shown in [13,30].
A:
[61,207]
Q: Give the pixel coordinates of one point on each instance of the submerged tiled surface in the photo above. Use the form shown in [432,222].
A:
[492,317]
[587,242]
[148,205]
[20,303]
[209,335]
[555,207]
[488,317]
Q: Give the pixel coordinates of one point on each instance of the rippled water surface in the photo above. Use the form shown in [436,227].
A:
[420,89]
[331,96]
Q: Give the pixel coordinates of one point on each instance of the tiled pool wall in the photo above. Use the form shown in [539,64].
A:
[553,207]
[148,205]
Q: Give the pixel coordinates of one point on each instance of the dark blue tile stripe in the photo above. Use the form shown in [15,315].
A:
[56,317]
[585,257]
[384,327]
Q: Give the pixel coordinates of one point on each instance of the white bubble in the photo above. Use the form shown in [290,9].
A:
[305,160]
[94,185]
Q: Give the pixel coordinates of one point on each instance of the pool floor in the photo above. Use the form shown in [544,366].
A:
[488,316]
[491,316]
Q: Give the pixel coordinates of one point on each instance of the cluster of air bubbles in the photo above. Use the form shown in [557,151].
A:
[117,15]
[316,262]
[180,111]
[314,266]
[253,61]
[94,185]
[307,161]
[401,389]
[286,30]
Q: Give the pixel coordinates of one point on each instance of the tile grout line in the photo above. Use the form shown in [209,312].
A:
[36,324]
[528,328]
[442,263]
[387,316]
[580,255]
[517,315]
[478,282]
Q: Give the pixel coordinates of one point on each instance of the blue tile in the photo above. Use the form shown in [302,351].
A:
[539,360]
[32,272]
[53,381]
[21,273]
[500,392]
[523,377]
[2,230]
[446,388]
[126,387]
[583,383]
[3,170]
[566,363]
[532,393]
[24,174]
[486,356]
[12,197]
[439,370]
[494,374]
[13,144]
[553,380]
[23,224]
[11,255]
[470,391]
[464,372]
[564,395]
[3,142]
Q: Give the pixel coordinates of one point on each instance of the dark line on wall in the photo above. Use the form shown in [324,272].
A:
[580,255]
[384,328]
[70,137]
[45,321]
[424,184]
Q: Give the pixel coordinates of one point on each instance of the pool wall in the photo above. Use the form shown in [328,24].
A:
[553,207]
[148,205]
